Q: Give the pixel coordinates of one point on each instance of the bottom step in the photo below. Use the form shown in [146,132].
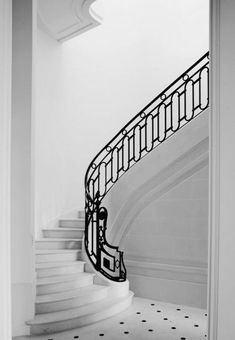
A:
[77,317]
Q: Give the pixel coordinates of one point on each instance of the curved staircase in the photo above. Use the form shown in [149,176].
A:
[66,295]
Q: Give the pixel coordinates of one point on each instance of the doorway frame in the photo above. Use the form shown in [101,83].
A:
[214,172]
[214,202]
[5,152]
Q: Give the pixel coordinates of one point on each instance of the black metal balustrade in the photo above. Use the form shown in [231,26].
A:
[174,107]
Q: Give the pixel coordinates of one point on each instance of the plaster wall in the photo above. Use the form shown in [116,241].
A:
[158,215]
[174,227]
[167,243]
[90,86]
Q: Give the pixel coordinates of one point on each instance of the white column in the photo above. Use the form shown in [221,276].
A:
[222,210]
[22,197]
[5,116]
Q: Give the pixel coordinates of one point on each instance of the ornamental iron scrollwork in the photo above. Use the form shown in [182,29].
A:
[178,104]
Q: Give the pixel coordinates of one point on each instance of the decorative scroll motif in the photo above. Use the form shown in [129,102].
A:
[177,105]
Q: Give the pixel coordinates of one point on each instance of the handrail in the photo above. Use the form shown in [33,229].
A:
[178,104]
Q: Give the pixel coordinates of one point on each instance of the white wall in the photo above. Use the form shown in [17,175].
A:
[173,228]
[5,155]
[22,233]
[158,217]
[166,245]
[89,87]
[159,170]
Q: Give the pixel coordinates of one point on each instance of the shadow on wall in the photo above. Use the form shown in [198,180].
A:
[162,223]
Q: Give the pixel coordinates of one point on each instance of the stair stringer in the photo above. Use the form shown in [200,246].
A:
[189,148]
[190,163]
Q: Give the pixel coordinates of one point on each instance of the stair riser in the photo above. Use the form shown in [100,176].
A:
[58,244]
[70,303]
[81,214]
[47,272]
[60,326]
[42,258]
[63,286]
[57,233]
[71,224]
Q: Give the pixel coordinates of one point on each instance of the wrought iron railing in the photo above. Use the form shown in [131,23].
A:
[174,107]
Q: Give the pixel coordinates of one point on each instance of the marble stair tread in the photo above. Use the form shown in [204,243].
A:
[72,223]
[56,251]
[62,278]
[80,292]
[76,219]
[91,308]
[51,239]
[58,264]
[64,229]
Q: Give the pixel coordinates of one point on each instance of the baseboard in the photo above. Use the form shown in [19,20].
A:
[177,292]
[178,283]
[180,271]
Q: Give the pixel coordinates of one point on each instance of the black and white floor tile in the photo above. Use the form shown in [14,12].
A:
[144,320]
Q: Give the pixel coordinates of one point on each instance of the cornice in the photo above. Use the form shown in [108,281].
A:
[65,19]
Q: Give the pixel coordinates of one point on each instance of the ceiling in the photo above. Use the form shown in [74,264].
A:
[65,19]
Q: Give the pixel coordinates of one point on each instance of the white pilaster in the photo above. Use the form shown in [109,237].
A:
[222,188]
[22,178]
[5,119]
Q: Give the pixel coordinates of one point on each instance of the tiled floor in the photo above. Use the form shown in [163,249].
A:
[144,320]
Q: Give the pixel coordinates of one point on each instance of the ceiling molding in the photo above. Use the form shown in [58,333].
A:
[65,19]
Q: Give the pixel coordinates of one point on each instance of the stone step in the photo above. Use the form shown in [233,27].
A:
[48,269]
[77,317]
[72,223]
[62,283]
[81,214]
[57,243]
[68,233]
[70,299]
[57,255]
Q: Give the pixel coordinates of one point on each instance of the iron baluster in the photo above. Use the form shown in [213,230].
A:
[174,107]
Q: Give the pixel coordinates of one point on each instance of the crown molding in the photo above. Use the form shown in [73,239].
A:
[65,19]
